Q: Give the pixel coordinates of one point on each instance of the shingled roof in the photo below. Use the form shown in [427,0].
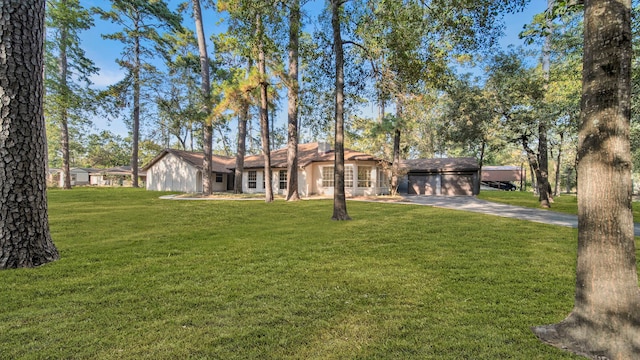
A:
[219,164]
[441,165]
[307,154]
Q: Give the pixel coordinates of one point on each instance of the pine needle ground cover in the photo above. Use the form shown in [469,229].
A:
[145,278]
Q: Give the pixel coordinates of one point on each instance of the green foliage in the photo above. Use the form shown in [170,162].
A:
[516,91]
[145,278]
[179,99]
[140,22]
[469,121]
[69,97]
[106,150]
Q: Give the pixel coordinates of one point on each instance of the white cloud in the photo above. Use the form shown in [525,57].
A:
[107,77]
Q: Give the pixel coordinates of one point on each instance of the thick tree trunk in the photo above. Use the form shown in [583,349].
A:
[292,146]
[339,197]
[64,92]
[207,176]
[264,113]
[605,321]
[136,111]
[25,240]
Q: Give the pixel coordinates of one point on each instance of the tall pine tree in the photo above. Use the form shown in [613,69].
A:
[69,99]
[141,22]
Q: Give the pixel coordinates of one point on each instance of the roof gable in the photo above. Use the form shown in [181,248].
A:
[307,154]
[219,164]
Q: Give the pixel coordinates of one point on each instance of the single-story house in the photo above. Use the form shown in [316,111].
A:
[179,170]
[115,176]
[79,176]
[445,176]
[176,170]
[364,174]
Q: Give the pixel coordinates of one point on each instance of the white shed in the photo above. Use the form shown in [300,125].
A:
[178,170]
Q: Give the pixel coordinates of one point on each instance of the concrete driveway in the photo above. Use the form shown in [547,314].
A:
[473,204]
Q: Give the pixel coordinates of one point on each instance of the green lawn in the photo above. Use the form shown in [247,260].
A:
[565,203]
[144,278]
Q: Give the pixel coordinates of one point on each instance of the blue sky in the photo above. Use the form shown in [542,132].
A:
[105,52]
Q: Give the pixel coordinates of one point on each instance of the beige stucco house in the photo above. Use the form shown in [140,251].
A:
[364,174]
[176,170]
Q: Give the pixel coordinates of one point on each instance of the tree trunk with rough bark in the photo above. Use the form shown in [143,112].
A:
[605,321]
[541,182]
[264,112]
[25,240]
[339,197]
[292,146]
[205,88]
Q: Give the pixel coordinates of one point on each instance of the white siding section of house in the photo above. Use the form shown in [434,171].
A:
[172,174]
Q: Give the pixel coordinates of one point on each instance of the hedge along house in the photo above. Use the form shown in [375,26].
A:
[178,170]
[446,176]
[364,174]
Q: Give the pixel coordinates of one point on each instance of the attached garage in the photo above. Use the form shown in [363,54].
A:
[423,184]
[450,176]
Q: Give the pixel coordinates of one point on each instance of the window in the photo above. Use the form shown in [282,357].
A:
[348,176]
[382,179]
[218,177]
[327,176]
[364,176]
[253,177]
[283,180]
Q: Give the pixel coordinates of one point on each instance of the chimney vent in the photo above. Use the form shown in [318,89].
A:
[323,148]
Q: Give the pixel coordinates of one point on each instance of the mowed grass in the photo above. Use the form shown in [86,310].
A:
[145,278]
[565,203]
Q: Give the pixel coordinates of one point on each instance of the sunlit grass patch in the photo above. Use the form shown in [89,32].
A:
[145,278]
